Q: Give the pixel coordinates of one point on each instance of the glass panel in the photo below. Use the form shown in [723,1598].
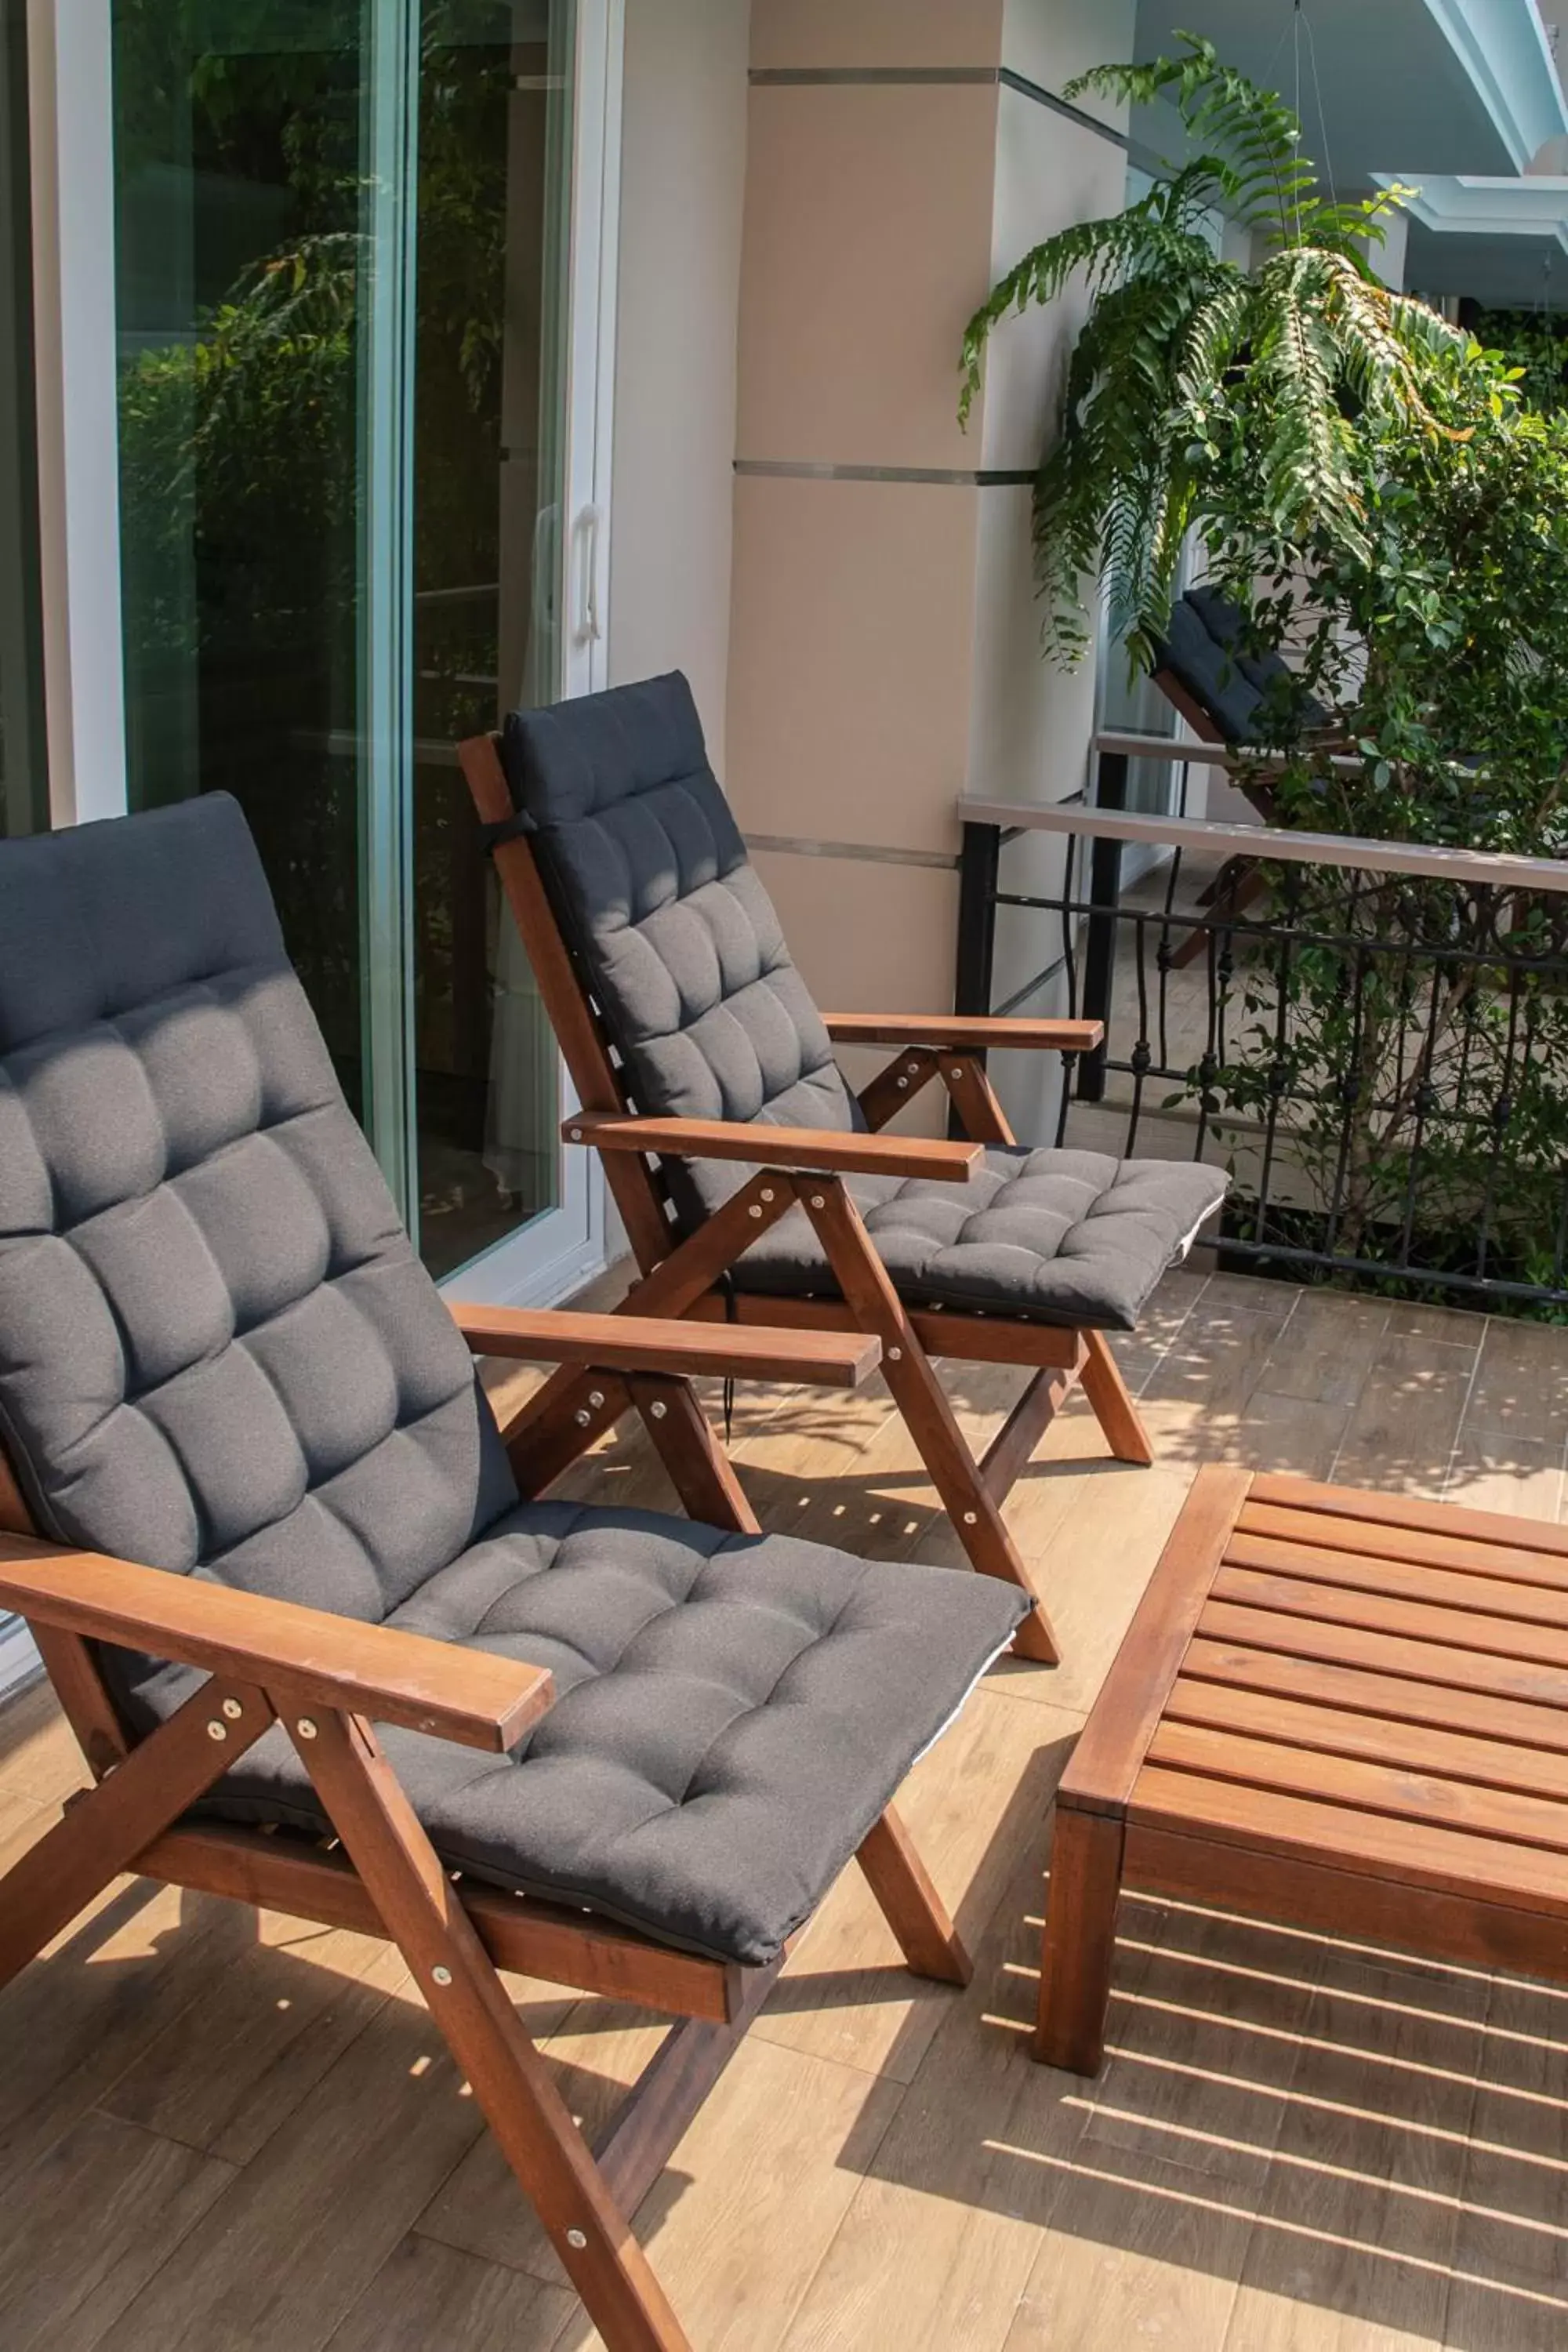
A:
[494,136]
[24,778]
[341,264]
[238,171]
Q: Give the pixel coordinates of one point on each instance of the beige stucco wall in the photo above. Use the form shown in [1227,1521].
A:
[682,194]
[885,647]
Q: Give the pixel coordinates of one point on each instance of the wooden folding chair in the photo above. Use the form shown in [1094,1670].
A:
[693,1257]
[196,1254]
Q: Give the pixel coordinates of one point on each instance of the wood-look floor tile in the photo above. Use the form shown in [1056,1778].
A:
[1356,2233]
[1510,2256]
[1202,2042]
[88,2224]
[942,2234]
[1091,1567]
[225,2075]
[1137,2251]
[1329,1350]
[288,2250]
[754,2194]
[76,2022]
[1521,1381]
[1401,1434]
[431,2298]
[1492,1470]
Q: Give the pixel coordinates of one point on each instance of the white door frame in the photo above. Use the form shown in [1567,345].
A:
[561,1249]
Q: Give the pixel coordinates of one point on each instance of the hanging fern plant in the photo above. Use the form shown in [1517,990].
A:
[1189,362]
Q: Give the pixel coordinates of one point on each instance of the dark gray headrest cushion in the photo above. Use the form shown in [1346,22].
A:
[217,1349]
[668,921]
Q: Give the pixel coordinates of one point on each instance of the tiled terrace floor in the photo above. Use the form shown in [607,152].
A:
[215,2140]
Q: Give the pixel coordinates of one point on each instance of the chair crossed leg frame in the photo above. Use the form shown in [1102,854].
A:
[390,1881]
[550,1430]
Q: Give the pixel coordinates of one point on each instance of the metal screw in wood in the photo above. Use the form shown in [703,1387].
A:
[895,1355]
[441,1975]
[576,2241]
[233,1709]
[818,1202]
[583,1416]
[307,1729]
[970,1518]
[217,1731]
[595,1398]
[659,1410]
[753,1211]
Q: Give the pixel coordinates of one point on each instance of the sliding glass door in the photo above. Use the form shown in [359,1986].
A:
[359,270]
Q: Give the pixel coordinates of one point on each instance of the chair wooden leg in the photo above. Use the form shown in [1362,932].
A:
[1079,1940]
[922,1401]
[107,1827]
[423,1915]
[912,1906]
[543,1438]
[1012,1449]
[637,2144]
[1113,1407]
[701,1471]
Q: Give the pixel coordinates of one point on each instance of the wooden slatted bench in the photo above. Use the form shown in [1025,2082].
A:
[1344,1711]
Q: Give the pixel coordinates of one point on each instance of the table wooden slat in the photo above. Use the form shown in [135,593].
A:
[1416,1621]
[1259,1765]
[1369,1571]
[1390,1696]
[1450,1520]
[1353,1646]
[1453,1862]
[1421,1547]
[1373,1738]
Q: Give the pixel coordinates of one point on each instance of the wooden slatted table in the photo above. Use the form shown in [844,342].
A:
[1344,1711]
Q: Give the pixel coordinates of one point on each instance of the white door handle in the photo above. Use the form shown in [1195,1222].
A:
[589,625]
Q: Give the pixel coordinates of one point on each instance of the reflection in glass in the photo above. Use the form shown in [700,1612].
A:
[251,363]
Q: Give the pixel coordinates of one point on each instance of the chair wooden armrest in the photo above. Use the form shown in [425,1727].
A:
[468,1697]
[640,1343]
[962,1031]
[760,1146]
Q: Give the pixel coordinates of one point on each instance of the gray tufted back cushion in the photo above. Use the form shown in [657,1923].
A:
[218,1352]
[668,921]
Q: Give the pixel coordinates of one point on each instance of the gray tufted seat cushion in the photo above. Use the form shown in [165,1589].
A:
[220,1356]
[682,952]
[1067,1237]
[733,1715]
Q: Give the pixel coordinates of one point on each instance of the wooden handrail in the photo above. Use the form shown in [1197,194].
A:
[1278,844]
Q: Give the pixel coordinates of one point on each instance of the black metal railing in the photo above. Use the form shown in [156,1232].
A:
[1372,1036]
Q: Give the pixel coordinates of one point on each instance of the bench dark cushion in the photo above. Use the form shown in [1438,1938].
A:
[1066,1237]
[733,1715]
